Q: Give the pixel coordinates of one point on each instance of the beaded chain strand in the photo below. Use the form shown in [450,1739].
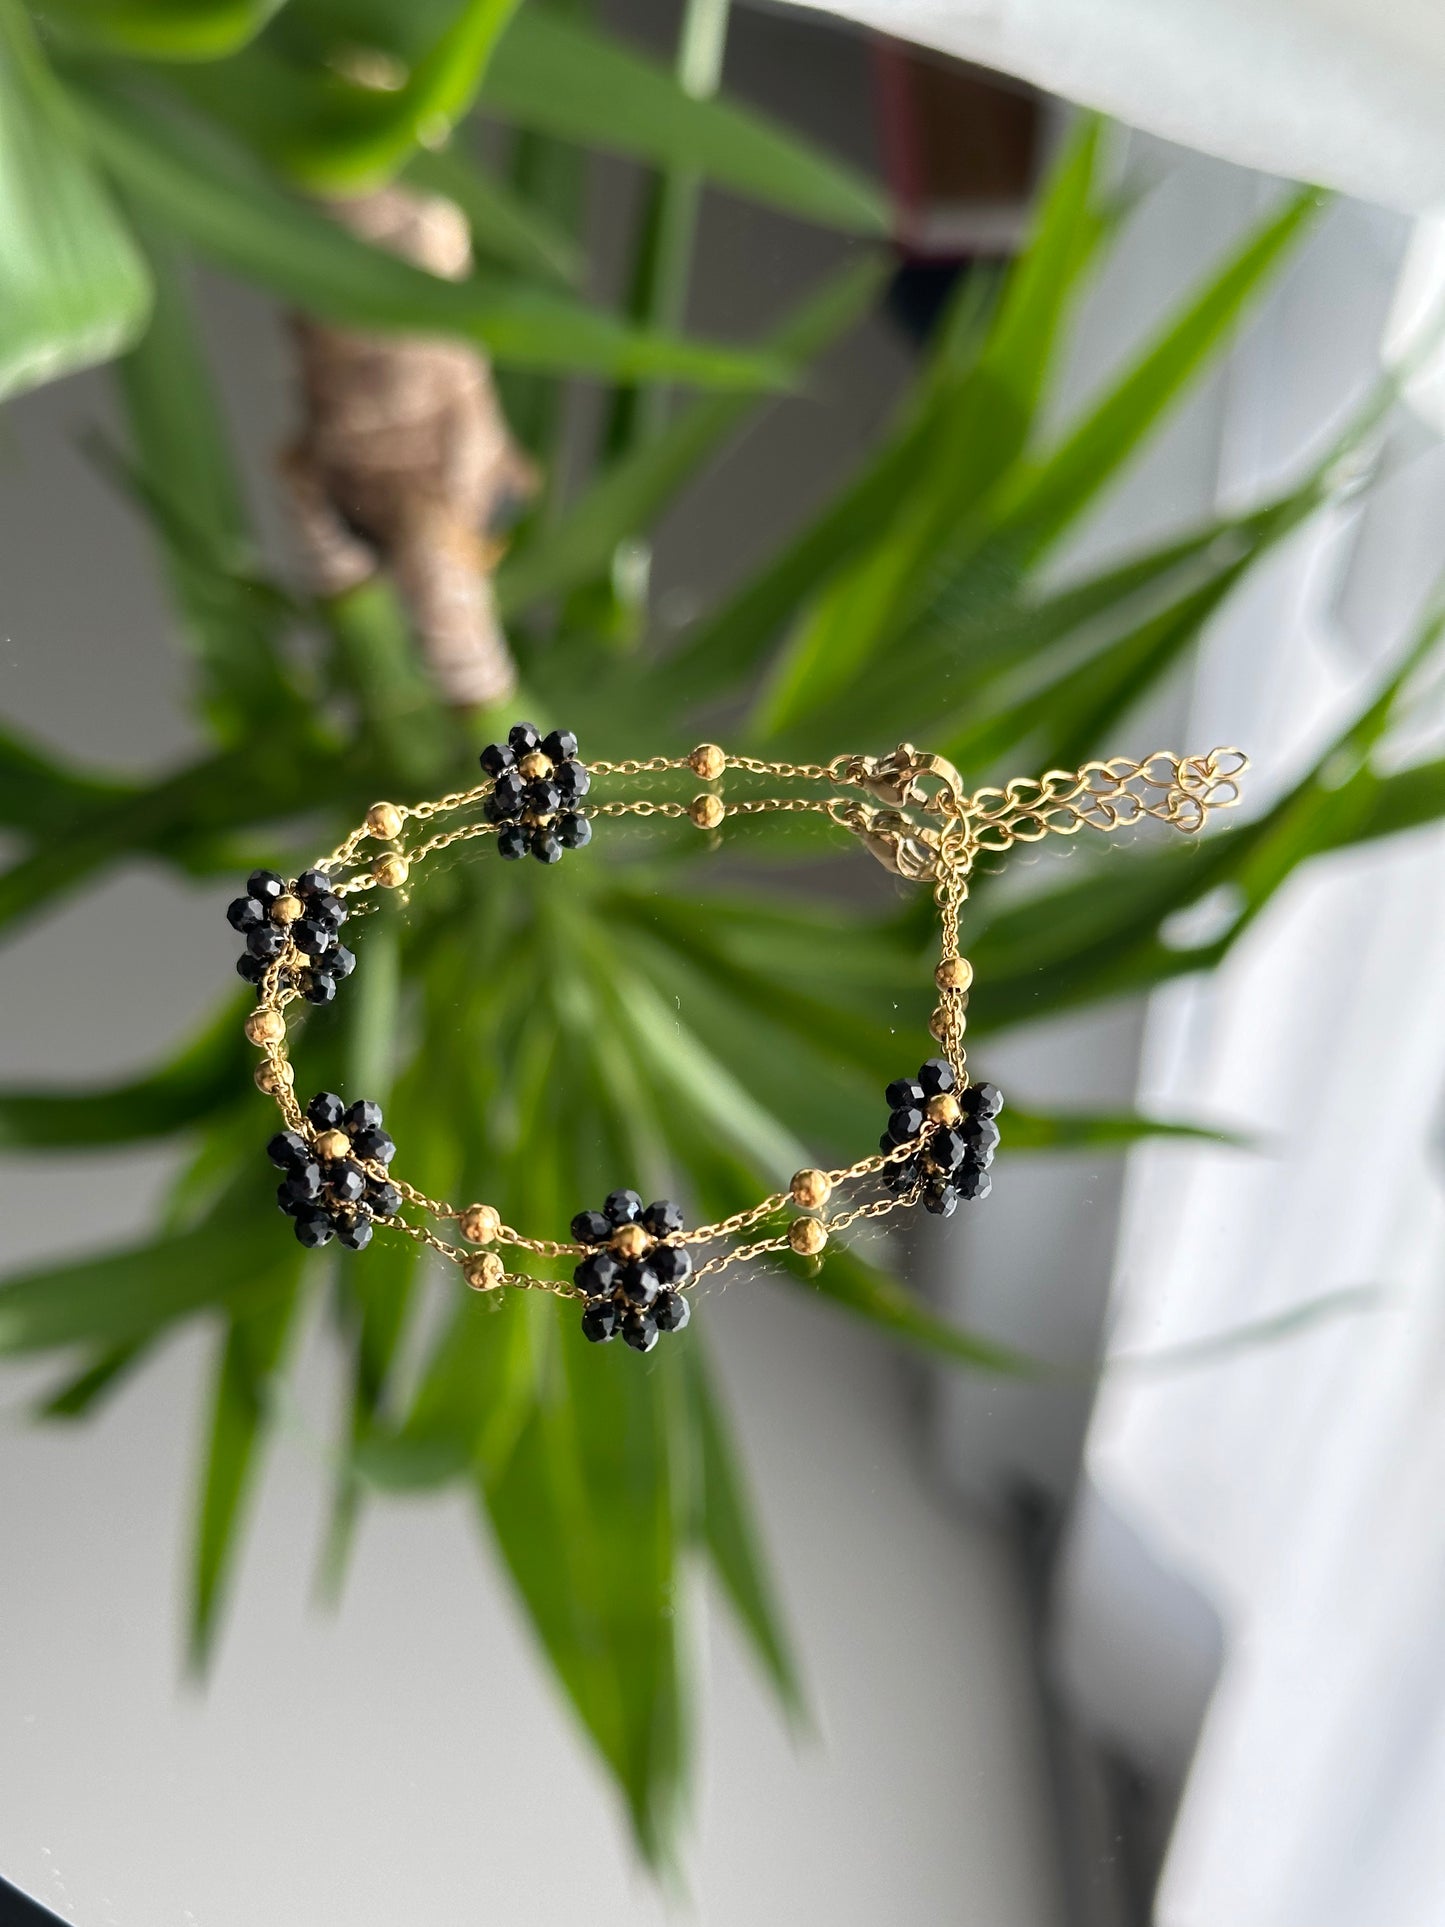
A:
[636,1263]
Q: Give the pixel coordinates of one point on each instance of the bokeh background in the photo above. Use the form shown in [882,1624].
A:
[1152,1639]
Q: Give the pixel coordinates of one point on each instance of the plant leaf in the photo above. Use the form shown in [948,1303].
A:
[505,226]
[73,288]
[203,1078]
[627,497]
[564,78]
[249,1356]
[166,29]
[731,1537]
[202,186]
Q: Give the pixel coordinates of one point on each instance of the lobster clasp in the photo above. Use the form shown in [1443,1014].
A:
[896,779]
[896,842]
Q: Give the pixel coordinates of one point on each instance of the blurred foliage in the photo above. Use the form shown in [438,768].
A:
[538,1044]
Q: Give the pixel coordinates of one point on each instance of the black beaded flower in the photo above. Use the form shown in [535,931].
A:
[326,1189]
[538,783]
[633,1279]
[959,1133]
[306,914]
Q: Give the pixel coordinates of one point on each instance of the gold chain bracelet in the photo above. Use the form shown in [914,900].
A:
[635,1263]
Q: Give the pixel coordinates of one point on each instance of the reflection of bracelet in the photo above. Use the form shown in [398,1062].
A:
[632,1263]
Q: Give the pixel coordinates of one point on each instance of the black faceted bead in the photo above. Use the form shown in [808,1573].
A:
[639,1328]
[638,1283]
[981,1135]
[266,886]
[326,1111]
[597,1274]
[671,1311]
[886,1144]
[319,987]
[940,1198]
[508,796]
[267,943]
[313,883]
[355,1232]
[983,1100]
[662,1218]
[511,841]
[591,1228]
[947,1150]
[289,1150]
[523,738]
[903,1092]
[345,1181]
[312,937]
[253,969]
[543,797]
[545,847]
[363,1115]
[905,1123]
[496,757]
[559,744]
[671,1263]
[573,780]
[937,1076]
[599,1322]
[972,1182]
[574,830]
[302,1184]
[622,1207]
[292,1206]
[314,1229]
[377,1145]
[246,914]
[340,962]
[328,909]
[383,1197]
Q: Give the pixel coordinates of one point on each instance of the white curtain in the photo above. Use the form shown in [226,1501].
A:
[1345,93]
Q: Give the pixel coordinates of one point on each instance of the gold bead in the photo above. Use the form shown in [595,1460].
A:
[954,973]
[811,1189]
[807,1236]
[286,909]
[265,1027]
[706,811]
[384,820]
[481,1223]
[938,1025]
[708,762]
[535,764]
[272,1078]
[391,870]
[630,1241]
[943,1109]
[333,1144]
[484,1273]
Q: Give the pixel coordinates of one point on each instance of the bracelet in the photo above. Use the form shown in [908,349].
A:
[633,1265]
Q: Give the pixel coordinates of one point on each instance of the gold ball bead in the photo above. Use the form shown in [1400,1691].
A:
[706,811]
[333,1144]
[391,871]
[708,762]
[286,909]
[481,1223]
[535,764]
[943,1109]
[807,1236]
[954,973]
[484,1273]
[811,1189]
[265,1027]
[272,1078]
[630,1241]
[384,820]
[938,1025]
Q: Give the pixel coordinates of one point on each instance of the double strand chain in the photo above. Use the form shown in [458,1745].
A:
[909,809]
